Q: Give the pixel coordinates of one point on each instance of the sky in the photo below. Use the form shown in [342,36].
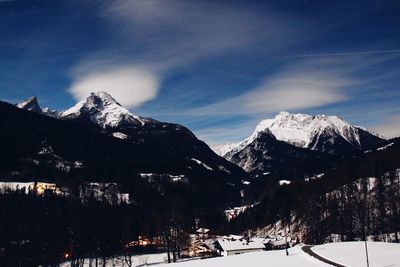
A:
[217,67]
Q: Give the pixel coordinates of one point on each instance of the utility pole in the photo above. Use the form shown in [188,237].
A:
[365,244]
[286,246]
[366,252]
[365,225]
[287,251]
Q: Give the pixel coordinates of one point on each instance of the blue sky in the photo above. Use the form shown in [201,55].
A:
[217,67]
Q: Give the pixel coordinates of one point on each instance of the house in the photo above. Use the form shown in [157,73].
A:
[144,241]
[234,245]
[278,243]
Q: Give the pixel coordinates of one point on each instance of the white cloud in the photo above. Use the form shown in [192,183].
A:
[299,87]
[131,86]
[303,91]
[389,128]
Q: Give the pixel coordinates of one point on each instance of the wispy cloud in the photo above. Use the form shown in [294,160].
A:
[147,42]
[343,54]
[164,37]
[307,84]
[189,30]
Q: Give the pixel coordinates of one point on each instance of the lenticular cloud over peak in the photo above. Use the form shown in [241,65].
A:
[130,85]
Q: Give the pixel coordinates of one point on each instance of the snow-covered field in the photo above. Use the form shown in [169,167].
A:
[297,258]
[138,260]
[345,253]
[353,253]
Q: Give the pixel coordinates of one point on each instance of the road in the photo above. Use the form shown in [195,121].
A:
[307,249]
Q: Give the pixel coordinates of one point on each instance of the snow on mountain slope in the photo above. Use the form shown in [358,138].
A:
[30,104]
[303,131]
[103,110]
[100,108]
[202,164]
[225,149]
[50,113]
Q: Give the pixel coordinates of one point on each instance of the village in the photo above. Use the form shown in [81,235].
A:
[203,243]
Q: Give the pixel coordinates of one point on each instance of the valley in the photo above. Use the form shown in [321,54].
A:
[98,158]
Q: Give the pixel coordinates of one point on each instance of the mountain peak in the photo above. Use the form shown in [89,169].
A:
[30,104]
[103,98]
[283,114]
[102,109]
[230,149]
[301,129]
[315,132]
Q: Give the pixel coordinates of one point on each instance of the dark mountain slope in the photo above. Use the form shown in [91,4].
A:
[307,202]
[267,154]
[37,147]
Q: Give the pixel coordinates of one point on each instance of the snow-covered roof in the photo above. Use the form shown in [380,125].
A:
[202,230]
[230,243]
[279,242]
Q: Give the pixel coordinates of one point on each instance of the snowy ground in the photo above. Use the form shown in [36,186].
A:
[353,253]
[138,260]
[297,258]
[346,253]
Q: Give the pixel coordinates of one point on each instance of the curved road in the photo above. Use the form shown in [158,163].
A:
[307,249]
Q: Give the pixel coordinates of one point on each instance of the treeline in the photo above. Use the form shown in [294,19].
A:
[47,230]
[344,203]
[369,206]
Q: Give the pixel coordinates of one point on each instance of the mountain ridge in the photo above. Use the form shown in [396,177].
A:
[314,132]
[103,110]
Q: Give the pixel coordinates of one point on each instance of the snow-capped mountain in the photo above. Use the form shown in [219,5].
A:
[301,129]
[320,132]
[32,104]
[98,140]
[99,108]
[265,155]
[103,110]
